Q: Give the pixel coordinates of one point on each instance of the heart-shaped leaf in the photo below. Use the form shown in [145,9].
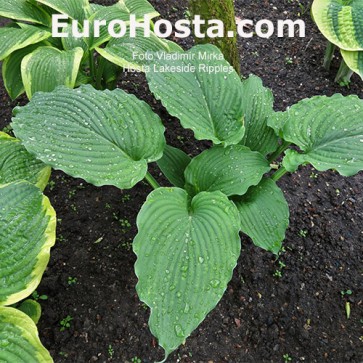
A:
[257,104]
[14,38]
[17,164]
[104,137]
[23,10]
[231,170]
[186,252]
[47,67]
[206,98]
[27,232]
[340,21]
[19,340]
[328,130]
[264,215]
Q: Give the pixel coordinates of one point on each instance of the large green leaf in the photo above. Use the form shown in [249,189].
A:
[354,61]
[47,67]
[75,9]
[17,164]
[264,215]
[23,10]
[208,103]
[27,232]
[257,104]
[186,252]
[11,71]
[340,21]
[104,137]
[19,340]
[173,164]
[13,38]
[328,130]
[231,170]
[129,52]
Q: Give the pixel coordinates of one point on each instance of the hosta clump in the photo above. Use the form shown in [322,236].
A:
[35,61]
[27,233]
[188,234]
[341,22]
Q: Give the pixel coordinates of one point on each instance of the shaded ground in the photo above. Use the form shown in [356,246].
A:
[262,317]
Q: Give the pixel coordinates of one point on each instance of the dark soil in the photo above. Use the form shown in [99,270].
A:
[262,317]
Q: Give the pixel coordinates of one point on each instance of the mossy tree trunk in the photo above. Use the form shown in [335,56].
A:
[221,10]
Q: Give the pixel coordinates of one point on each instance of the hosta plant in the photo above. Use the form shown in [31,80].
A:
[341,22]
[35,61]
[27,233]
[188,240]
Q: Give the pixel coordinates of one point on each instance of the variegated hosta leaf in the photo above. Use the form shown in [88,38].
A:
[11,71]
[264,215]
[12,38]
[186,252]
[47,67]
[340,21]
[354,61]
[75,9]
[17,164]
[130,52]
[173,164]
[27,232]
[231,170]
[140,8]
[23,10]
[257,104]
[328,130]
[108,13]
[72,42]
[19,339]
[208,103]
[104,137]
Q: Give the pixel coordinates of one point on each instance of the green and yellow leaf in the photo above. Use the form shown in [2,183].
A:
[354,61]
[75,9]
[23,10]
[17,164]
[19,339]
[27,233]
[129,52]
[14,38]
[47,67]
[341,22]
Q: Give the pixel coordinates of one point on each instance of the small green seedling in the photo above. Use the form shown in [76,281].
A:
[287,358]
[289,61]
[37,297]
[72,280]
[303,233]
[65,323]
[110,351]
[346,293]
[136,360]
